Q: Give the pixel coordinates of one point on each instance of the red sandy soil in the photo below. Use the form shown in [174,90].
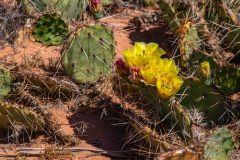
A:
[98,132]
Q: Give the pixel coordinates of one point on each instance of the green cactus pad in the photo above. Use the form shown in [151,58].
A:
[227,79]
[219,146]
[11,115]
[205,98]
[68,9]
[5,82]
[89,54]
[50,29]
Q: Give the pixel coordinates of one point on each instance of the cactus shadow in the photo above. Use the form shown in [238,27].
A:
[157,34]
[97,130]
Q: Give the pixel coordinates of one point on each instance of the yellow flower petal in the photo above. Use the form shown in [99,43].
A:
[151,48]
[168,85]
[160,52]
[128,56]
[148,74]
[142,53]
[158,67]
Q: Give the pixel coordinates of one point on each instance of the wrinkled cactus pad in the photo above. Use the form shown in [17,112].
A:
[11,115]
[5,82]
[89,54]
[219,146]
[50,29]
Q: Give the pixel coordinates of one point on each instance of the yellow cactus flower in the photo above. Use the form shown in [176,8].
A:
[148,74]
[205,69]
[168,85]
[157,67]
[169,65]
[142,53]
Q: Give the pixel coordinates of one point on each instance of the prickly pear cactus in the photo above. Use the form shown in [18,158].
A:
[68,9]
[50,29]
[11,115]
[156,80]
[205,98]
[189,41]
[89,54]
[219,146]
[227,79]
[5,82]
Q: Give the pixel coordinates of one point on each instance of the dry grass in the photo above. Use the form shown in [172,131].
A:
[12,19]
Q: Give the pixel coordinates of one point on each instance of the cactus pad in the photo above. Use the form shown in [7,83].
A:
[89,53]
[5,83]
[11,115]
[219,146]
[68,9]
[189,41]
[50,29]
[205,98]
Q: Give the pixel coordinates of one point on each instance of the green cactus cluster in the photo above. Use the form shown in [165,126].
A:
[200,26]
[89,53]
[220,145]
[50,29]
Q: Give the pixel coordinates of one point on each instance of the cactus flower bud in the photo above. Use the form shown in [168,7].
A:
[205,69]
[96,5]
